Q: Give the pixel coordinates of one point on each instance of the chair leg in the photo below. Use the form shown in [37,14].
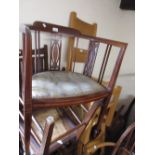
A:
[48,130]
[27,133]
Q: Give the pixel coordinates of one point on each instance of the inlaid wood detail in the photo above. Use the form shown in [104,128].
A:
[55,54]
[92,52]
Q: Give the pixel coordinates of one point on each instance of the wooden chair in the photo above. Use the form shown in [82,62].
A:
[85,138]
[39,57]
[85,28]
[124,146]
[81,55]
[52,92]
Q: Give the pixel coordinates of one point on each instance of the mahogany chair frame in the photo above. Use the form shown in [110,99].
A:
[30,104]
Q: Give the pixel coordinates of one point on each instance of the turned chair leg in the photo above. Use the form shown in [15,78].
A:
[48,130]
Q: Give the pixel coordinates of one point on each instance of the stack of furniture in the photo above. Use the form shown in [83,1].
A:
[48,95]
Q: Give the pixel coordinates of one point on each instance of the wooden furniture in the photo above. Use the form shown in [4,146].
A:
[123,118]
[124,146]
[39,57]
[88,29]
[112,105]
[51,92]
[85,139]
[85,28]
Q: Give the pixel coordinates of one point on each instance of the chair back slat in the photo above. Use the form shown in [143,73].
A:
[92,53]
[104,63]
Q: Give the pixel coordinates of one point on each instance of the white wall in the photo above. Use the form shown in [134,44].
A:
[112,22]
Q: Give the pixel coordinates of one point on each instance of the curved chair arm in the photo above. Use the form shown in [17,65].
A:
[92,149]
[124,150]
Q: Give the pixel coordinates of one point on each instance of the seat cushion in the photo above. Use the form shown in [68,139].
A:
[59,84]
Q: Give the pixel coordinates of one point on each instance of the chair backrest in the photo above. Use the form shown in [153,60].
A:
[39,57]
[84,28]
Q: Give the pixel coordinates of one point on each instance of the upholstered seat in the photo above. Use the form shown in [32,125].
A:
[57,84]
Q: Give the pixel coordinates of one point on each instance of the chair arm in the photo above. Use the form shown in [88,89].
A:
[48,130]
[95,147]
